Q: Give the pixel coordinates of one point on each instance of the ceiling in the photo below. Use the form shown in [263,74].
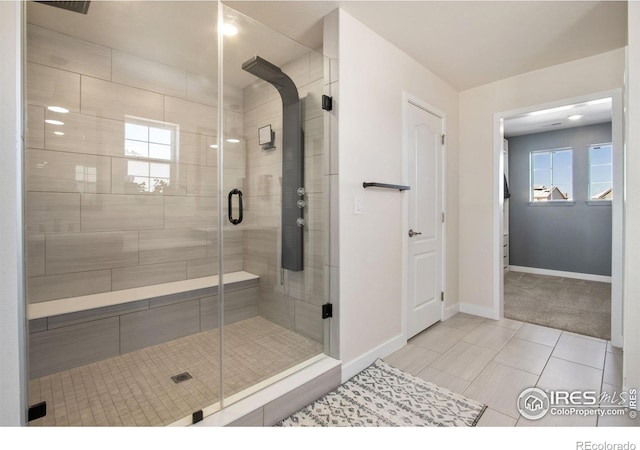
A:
[466,43]
[592,112]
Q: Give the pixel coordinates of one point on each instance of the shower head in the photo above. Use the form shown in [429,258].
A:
[263,69]
[272,74]
[81,7]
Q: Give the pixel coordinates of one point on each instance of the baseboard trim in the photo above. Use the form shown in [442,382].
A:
[450,311]
[559,273]
[476,310]
[363,361]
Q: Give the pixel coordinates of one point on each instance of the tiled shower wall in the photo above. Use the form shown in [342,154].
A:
[89,228]
[294,300]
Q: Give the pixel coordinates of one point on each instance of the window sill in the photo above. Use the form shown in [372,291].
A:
[553,203]
[599,202]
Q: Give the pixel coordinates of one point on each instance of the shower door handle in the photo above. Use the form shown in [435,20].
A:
[231,194]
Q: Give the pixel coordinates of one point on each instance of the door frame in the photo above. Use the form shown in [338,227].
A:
[408,98]
[617,206]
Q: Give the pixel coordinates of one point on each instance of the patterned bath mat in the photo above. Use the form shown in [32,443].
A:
[381,396]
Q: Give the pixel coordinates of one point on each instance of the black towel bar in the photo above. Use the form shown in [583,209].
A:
[386,186]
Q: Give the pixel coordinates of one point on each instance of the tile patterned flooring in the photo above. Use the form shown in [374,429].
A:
[135,389]
[493,361]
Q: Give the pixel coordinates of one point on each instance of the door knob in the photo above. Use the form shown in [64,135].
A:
[413,233]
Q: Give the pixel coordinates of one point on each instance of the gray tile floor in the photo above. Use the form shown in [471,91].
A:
[494,361]
[135,389]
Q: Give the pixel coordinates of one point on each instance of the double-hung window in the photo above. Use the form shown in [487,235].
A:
[601,172]
[149,147]
[551,175]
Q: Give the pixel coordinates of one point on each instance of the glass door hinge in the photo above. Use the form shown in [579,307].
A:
[327,310]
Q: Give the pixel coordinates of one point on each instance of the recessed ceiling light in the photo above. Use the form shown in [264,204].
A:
[54,122]
[575,117]
[214,146]
[229,29]
[233,141]
[58,133]
[58,109]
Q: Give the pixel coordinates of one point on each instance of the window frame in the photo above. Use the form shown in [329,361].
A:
[568,201]
[170,162]
[589,193]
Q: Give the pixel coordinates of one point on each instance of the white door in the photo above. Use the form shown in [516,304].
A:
[424,227]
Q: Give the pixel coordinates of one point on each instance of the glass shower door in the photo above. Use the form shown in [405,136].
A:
[121,211]
[275,197]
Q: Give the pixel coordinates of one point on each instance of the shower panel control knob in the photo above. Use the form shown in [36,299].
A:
[301,192]
[300,222]
[301,204]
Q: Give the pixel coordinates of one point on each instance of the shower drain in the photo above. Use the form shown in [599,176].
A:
[184,376]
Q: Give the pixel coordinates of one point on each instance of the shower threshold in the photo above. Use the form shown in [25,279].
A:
[136,389]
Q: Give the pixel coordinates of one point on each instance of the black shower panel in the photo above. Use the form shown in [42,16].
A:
[292,160]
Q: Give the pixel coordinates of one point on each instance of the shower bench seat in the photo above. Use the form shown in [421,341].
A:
[73,332]
[92,301]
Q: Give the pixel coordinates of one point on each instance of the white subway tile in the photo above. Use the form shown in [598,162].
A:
[192,149]
[256,156]
[48,212]
[150,75]
[116,101]
[52,287]
[191,116]
[35,255]
[35,126]
[308,320]
[202,181]
[59,50]
[314,179]
[110,212]
[190,212]
[79,252]
[147,275]
[258,93]
[202,88]
[85,134]
[48,86]
[157,246]
[50,171]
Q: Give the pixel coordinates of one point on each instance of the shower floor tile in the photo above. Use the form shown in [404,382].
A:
[136,389]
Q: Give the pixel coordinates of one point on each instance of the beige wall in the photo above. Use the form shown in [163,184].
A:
[372,80]
[631,360]
[477,203]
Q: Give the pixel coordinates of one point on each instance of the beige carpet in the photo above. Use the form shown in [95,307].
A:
[578,306]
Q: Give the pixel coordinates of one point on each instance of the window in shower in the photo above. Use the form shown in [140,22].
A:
[150,147]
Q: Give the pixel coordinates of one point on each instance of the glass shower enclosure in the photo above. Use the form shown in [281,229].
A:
[176,210]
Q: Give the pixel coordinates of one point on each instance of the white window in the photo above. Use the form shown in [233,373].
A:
[601,172]
[150,147]
[551,175]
